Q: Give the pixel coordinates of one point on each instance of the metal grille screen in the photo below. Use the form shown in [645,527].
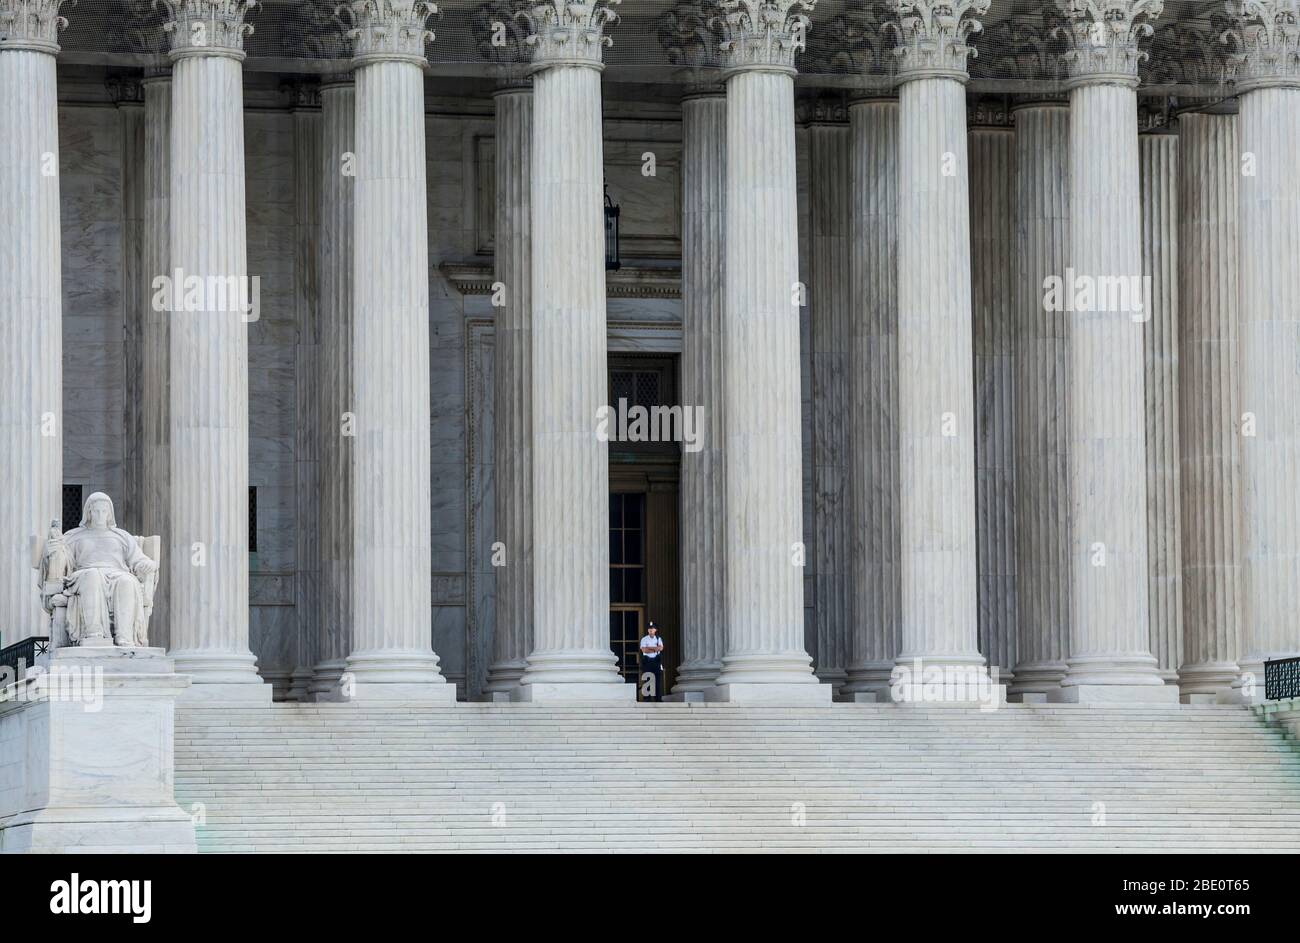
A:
[655,38]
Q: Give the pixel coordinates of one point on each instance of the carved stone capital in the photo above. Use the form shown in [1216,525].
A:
[1029,44]
[763,34]
[207,27]
[1104,37]
[1266,42]
[691,36]
[932,37]
[569,32]
[31,24]
[389,30]
[501,36]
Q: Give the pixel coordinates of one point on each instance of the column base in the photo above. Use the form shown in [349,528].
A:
[503,677]
[1116,694]
[1206,683]
[697,677]
[868,677]
[685,697]
[771,694]
[441,694]
[300,684]
[575,692]
[857,697]
[325,680]
[1039,679]
[413,667]
[212,666]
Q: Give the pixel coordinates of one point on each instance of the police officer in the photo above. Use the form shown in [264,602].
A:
[652,663]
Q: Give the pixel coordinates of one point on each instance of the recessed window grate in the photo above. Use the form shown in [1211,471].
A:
[71,507]
[252,519]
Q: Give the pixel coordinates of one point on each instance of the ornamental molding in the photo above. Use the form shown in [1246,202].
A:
[988,111]
[932,37]
[207,27]
[389,30]
[32,24]
[763,35]
[1104,37]
[1265,41]
[569,32]
[125,89]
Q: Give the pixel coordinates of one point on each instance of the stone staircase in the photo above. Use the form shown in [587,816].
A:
[851,777]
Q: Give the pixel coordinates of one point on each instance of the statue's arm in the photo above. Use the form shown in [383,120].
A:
[136,561]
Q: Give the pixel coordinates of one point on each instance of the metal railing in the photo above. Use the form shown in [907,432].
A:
[1281,679]
[20,656]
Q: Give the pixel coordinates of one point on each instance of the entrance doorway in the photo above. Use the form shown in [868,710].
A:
[644,565]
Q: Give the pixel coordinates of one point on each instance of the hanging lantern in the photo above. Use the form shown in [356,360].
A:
[612,263]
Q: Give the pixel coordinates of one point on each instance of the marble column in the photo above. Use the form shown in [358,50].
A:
[392,655]
[1209,398]
[31,378]
[307,378]
[991,145]
[1158,172]
[703,488]
[155,390]
[873,394]
[571,658]
[1110,656]
[764,658]
[128,95]
[336,408]
[512,412]
[936,409]
[512,389]
[830,298]
[1268,80]
[207,554]
[1042,368]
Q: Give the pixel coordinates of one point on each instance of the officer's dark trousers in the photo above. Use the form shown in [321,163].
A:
[653,685]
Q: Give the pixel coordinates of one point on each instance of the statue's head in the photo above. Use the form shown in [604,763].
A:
[98,511]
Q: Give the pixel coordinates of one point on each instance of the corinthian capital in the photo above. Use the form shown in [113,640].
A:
[389,30]
[932,37]
[569,32]
[764,34]
[1104,36]
[31,24]
[1267,42]
[207,27]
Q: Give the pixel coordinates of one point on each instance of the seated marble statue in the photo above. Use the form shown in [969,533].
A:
[102,576]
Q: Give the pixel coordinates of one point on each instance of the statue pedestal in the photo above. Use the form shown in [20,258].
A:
[86,755]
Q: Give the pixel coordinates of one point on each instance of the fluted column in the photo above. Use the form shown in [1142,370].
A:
[155,362]
[31,380]
[512,414]
[128,95]
[392,654]
[830,182]
[703,488]
[873,395]
[207,555]
[992,152]
[1042,368]
[571,657]
[336,412]
[307,379]
[936,409]
[1158,170]
[1110,654]
[1268,79]
[1209,398]
[764,657]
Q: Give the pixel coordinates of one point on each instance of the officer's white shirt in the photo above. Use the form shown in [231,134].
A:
[648,643]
